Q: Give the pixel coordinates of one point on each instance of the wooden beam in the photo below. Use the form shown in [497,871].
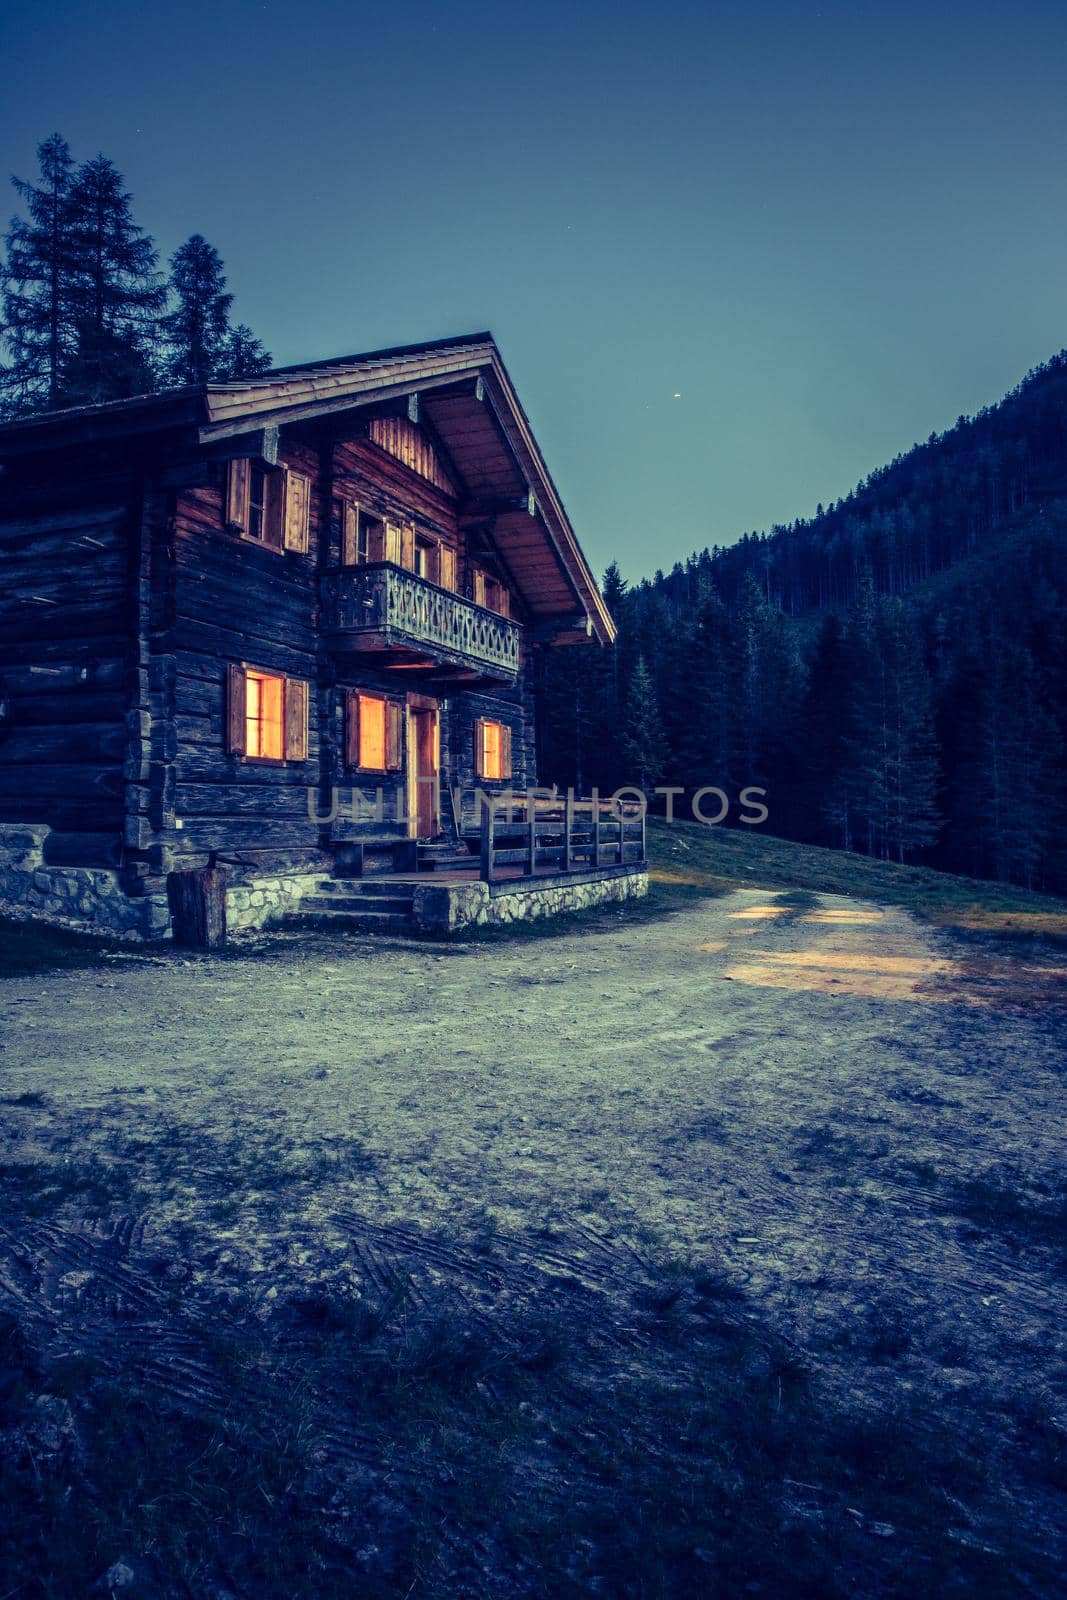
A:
[258,444]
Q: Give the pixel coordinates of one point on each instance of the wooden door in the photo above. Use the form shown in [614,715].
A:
[425,766]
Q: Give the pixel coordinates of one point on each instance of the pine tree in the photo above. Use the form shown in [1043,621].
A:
[37,319]
[910,779]
[117,291]
[197,330]
[244,355]
[643,743]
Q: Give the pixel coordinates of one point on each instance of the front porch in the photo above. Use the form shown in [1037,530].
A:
[440,904]
[527,857]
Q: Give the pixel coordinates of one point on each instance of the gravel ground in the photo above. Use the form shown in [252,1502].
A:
[855,1119]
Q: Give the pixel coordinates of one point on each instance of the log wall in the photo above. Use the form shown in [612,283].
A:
[66,655]
[237,601]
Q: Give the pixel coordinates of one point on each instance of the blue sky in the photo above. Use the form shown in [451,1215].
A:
[735,255]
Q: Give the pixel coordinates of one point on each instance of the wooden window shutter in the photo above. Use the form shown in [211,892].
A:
[235,709]
[274,513]
[376,541]
[237,494]
[349,533]
[505,751]
[407,546]
[352,728]
[433,563]
[297,511]
[393,736]
[296,720]
[479,587]
[479,747]
[392,543]
[447,579]
[503,600]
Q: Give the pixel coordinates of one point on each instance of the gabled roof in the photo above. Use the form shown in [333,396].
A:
[465,394]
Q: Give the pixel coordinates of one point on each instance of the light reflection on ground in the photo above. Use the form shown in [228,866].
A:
[859,951]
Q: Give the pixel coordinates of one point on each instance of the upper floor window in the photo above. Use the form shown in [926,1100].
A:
[489,592]
[270,505]
[367,539]
[362,535]
[426,559]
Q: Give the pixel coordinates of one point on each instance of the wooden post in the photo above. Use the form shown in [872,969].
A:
[568,831]
[644,814]
[487,840]
[596,830]
[531,820]
[198,907]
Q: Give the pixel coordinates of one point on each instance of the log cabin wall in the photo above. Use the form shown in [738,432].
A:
[125,603]
[512,706]
[68,650]
[236,601]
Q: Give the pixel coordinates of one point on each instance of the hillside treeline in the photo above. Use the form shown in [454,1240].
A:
[892,671]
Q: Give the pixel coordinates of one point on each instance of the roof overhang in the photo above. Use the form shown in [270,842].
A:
[465,394]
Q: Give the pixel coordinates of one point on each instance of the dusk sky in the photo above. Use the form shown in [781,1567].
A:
[735,255]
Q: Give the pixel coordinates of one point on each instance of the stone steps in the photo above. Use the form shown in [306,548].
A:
[383,907]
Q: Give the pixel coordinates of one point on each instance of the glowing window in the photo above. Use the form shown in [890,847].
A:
[264,716]
[372,742]
[491,764]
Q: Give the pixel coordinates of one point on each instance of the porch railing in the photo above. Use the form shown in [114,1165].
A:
[539,835]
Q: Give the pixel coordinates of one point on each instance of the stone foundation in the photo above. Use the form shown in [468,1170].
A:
[442,909]
[94,900]
[263,902]
[84,899]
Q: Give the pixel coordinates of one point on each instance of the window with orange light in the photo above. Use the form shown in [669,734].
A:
[264,716]
[492,749]
[372,733]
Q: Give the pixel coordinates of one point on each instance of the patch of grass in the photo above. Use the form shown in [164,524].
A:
[719,859]
[385,1447]
[31,1098]
[38,1188]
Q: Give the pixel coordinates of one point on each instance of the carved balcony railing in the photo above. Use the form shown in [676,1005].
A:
[385,607]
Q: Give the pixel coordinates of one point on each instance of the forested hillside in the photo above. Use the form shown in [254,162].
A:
[892,671]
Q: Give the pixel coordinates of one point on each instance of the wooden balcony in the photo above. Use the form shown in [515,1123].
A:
[385,610]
